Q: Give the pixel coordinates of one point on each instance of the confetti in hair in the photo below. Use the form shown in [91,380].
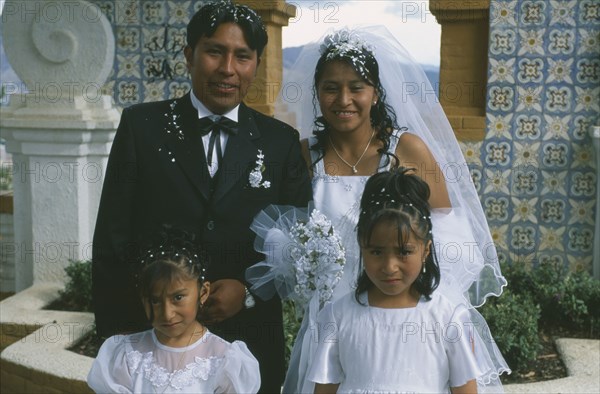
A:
[349,45]
[237,11]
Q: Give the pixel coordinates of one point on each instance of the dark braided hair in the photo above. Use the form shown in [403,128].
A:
[173,256]
[401,197]
[383,116]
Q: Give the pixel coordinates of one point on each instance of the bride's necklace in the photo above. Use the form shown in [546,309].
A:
[354,170]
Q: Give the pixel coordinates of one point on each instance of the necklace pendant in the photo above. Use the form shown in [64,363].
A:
[354,170]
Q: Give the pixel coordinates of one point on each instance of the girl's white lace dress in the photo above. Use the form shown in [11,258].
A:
[139,363]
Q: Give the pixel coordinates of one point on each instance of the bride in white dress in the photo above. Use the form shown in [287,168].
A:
[360,129]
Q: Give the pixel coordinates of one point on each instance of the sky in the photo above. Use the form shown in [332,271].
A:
[410,21]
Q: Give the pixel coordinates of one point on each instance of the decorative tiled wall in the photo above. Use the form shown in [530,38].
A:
[535,168]
[150,37]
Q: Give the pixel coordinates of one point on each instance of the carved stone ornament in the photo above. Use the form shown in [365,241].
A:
[67,44]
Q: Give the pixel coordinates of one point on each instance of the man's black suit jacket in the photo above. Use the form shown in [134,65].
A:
[157,174]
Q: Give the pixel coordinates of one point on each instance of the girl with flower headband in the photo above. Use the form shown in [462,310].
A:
[399,332]
[373,109]
[179,355]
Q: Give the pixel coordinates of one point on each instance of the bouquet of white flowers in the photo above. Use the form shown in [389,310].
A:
[304,256]
[318,257]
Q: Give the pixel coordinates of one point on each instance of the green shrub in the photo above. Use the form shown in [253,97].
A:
[566,299]
[6,175]
[519,278]
[77,294]
[548,289]
[291,325]
[580,302]
[513,322]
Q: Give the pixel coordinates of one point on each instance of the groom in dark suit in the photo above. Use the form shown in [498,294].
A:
[205,163]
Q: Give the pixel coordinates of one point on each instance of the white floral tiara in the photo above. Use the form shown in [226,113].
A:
[343,43]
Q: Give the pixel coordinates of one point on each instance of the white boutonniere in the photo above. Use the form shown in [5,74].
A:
[256,179]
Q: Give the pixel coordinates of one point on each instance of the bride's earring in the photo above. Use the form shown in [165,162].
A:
[424,268]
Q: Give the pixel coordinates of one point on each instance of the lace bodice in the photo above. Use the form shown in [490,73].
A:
[160,377]
[140,363]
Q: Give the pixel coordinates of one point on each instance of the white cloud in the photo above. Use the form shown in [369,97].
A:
[410,21]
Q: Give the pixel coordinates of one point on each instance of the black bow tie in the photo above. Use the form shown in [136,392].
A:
[217,122]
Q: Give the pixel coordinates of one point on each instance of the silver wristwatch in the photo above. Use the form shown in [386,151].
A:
[249,301]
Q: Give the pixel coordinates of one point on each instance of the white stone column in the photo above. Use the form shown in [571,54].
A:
[59,133]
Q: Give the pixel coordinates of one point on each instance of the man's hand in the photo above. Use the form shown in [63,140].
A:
[226,299]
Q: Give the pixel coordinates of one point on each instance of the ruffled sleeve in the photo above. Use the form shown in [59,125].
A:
[109,373]
[326,367]
[239,372]
[462,345]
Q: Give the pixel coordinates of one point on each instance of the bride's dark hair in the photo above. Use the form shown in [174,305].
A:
[383,116]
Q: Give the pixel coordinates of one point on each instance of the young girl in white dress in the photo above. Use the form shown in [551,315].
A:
[179,355]
[398,332]
[373,109]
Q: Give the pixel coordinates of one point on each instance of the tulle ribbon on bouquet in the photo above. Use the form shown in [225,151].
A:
[304,256]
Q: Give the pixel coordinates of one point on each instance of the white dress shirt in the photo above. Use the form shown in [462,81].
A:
[203,112]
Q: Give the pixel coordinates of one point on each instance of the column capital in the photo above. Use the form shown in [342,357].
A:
[274,11]
[459,10]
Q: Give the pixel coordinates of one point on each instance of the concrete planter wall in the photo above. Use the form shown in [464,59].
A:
[34,344]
